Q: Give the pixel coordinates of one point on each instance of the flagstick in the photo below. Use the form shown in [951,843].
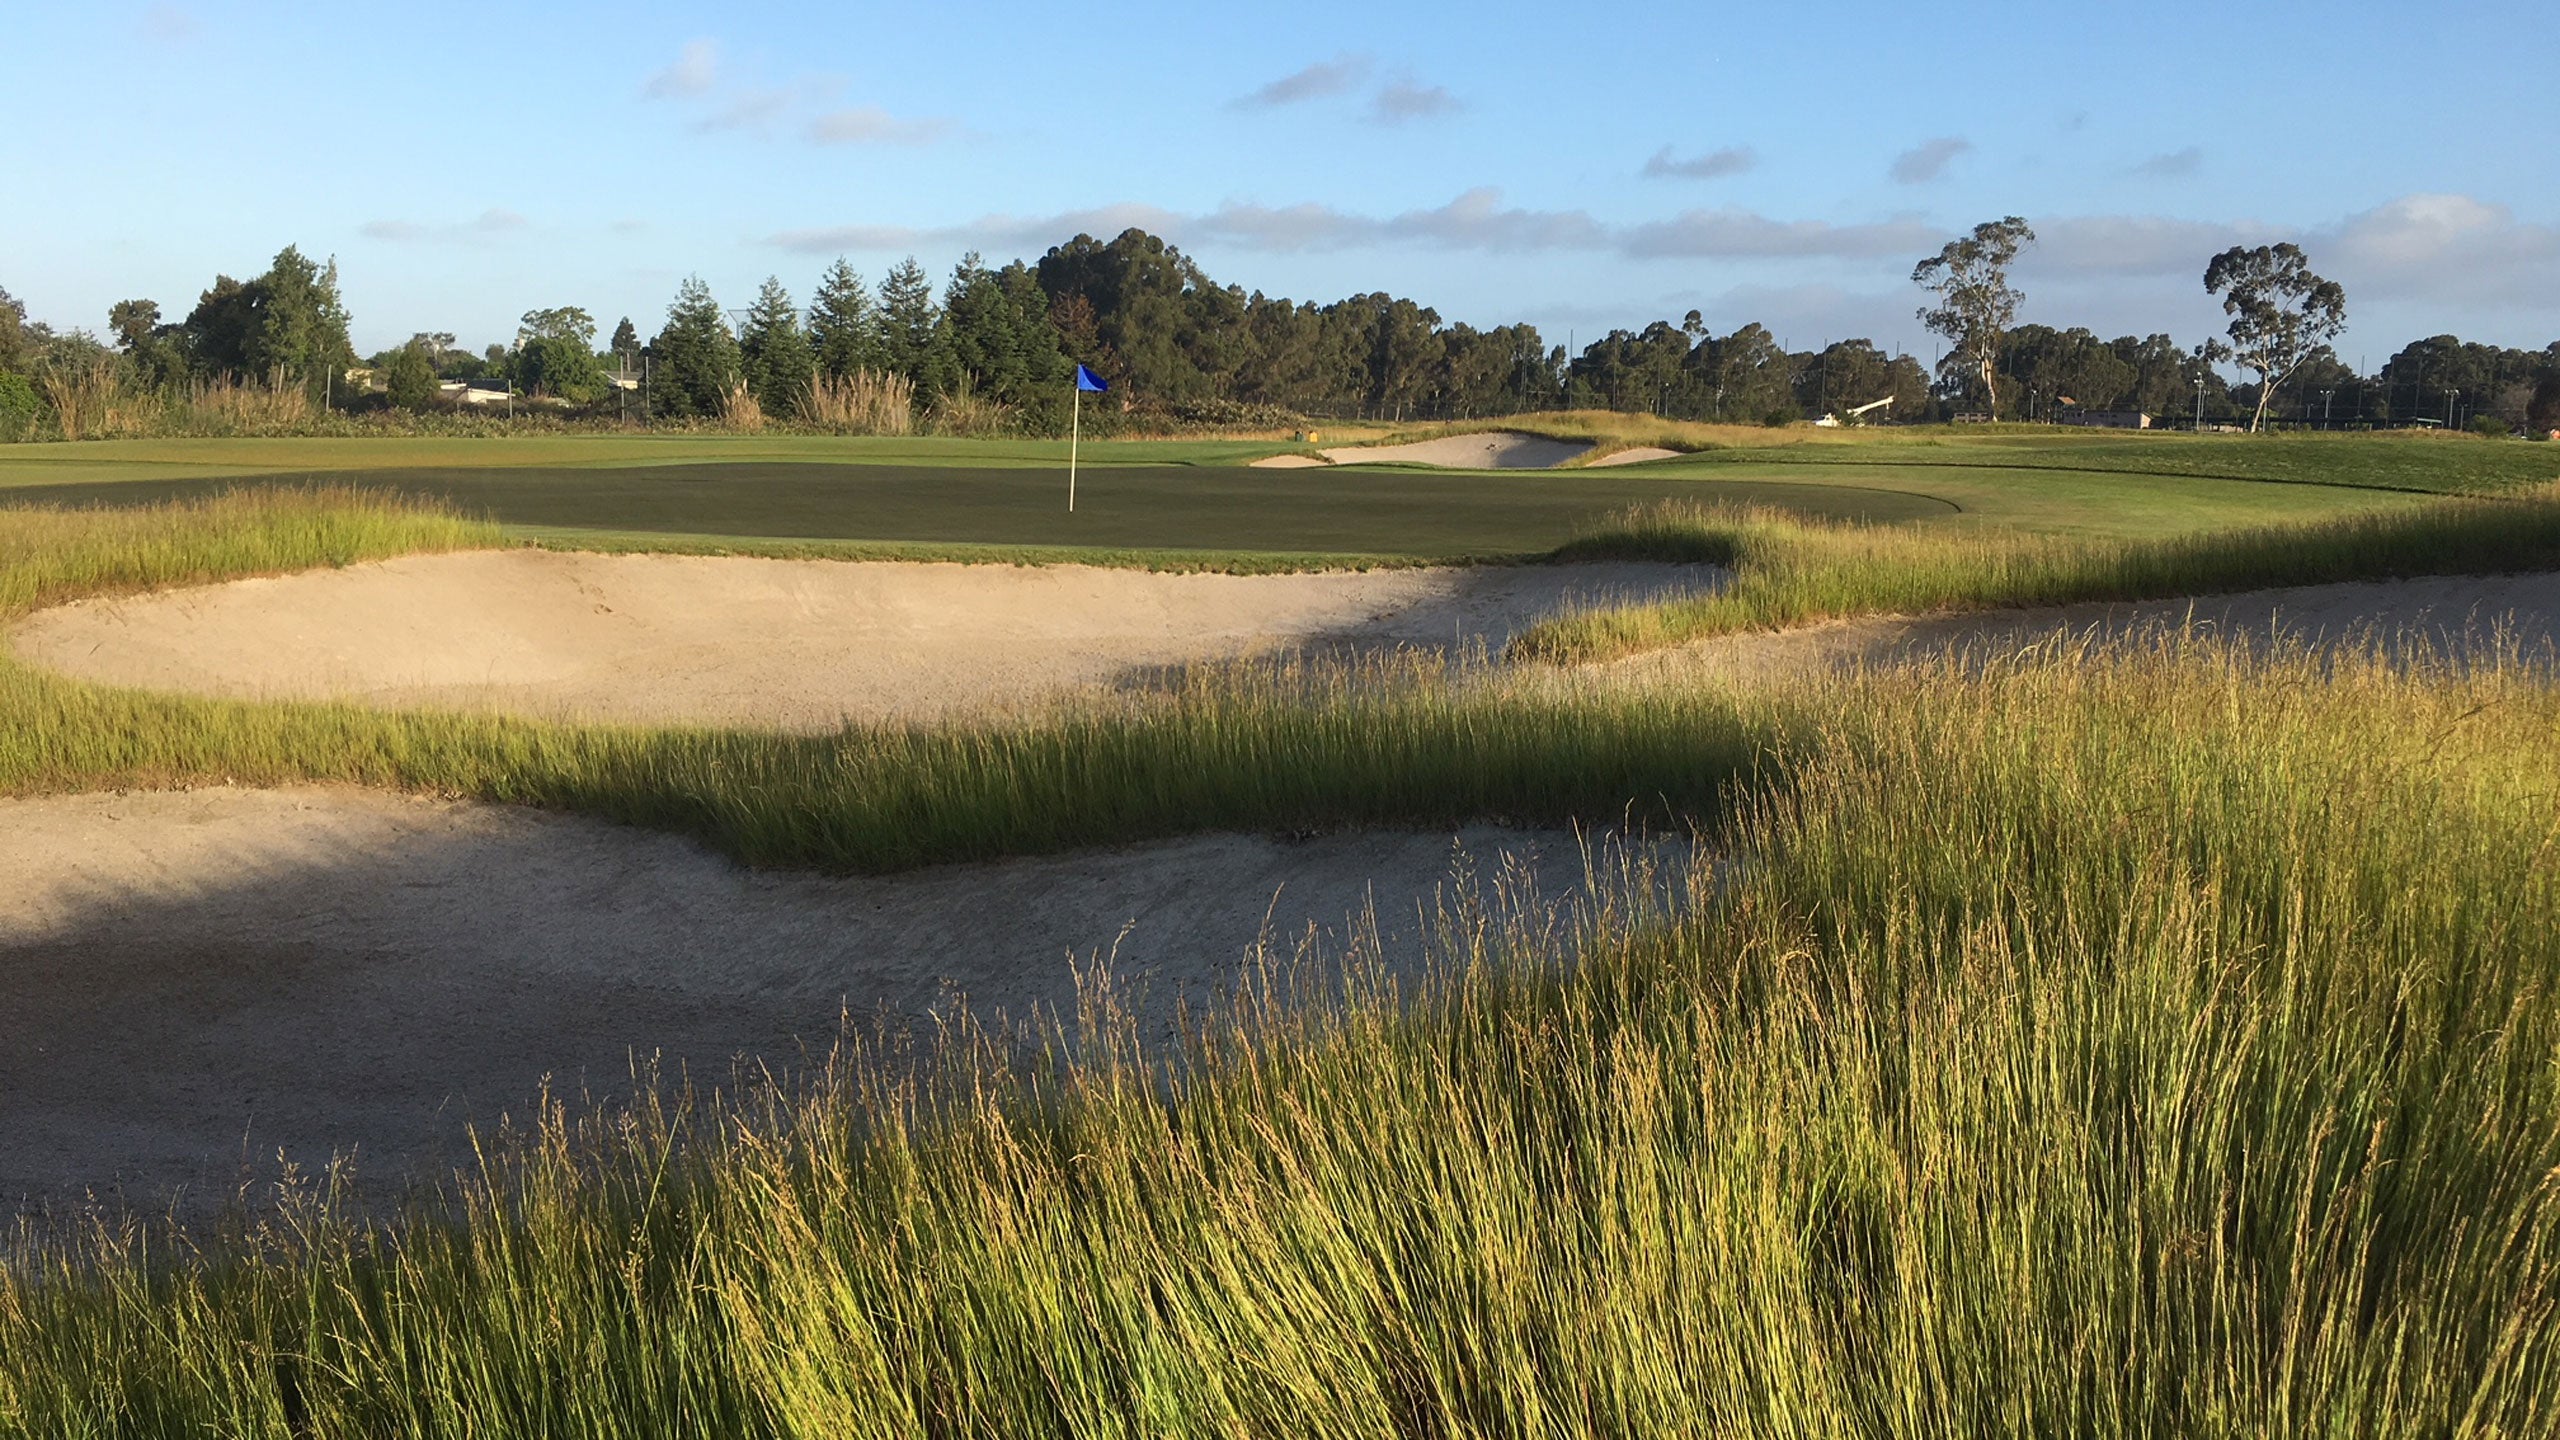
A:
[1075,437]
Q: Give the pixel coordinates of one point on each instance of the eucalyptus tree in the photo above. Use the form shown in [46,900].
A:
[1976,305]
[2281,313]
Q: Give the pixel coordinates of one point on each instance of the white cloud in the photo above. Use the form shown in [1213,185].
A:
[1731,160]
[485,225]
[2175,165]
[696,70]
[1402,100]
[1732,234]
[871,125]
[1337,76]
[1928,160]
[1476,221]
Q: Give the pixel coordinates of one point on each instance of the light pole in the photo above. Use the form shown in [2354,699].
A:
[2324,407]
[2448,407]
[2199,404]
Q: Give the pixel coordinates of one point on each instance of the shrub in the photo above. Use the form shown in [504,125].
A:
[19,408]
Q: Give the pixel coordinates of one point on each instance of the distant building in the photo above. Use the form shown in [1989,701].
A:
[475,392]
[2108,419]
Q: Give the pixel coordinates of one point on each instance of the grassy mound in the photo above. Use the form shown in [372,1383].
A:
[1789,570]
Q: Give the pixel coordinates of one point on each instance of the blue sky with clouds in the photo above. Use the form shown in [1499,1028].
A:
[1578,167]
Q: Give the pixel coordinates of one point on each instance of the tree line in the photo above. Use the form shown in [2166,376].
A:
[997,345]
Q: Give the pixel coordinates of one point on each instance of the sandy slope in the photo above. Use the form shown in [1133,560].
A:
[797,644]
[1635,455]
[197,979]
[1491,450]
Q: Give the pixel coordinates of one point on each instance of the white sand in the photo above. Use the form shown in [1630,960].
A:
[1491,450]
[197,979]
[1291,462]
[1635,455]
[794,644]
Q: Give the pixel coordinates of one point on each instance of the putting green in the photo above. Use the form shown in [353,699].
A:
[1402,514]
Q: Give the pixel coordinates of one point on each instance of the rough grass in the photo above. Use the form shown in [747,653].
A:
[2132,1044]
[1790,570]
[2419,461]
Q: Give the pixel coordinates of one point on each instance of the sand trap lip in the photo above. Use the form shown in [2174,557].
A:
[1487,450]
[1635,455]
[2446,617]
[1291,462]
[802,645]
[200,978]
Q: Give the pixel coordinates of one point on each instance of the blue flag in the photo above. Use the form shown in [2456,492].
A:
[1087,380]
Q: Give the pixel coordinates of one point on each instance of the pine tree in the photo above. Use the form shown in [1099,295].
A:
[626,344]
[844,329]
[909,322]
[694,360]
[774,352]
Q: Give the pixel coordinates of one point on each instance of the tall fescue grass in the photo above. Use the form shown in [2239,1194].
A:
[965,410]
[95,400]
[739,409]
[227,405]
[1790,569]
[50,554]
[2138,1043]
[866,402]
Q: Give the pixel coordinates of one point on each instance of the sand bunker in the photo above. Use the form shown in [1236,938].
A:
[2447,617]
[1492,450]
[793,644]
[1291,462]
[1635,455]
[198,979]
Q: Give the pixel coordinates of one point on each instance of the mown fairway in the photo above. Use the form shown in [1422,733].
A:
[923,496]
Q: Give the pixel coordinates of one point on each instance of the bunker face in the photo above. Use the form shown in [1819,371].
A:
[1493,450]
[801,645]
[199,980]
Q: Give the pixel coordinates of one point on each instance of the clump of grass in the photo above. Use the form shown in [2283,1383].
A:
[1790,569]
[866,402]
[2133,1043]
[965,410]
[739,409]
[227,405]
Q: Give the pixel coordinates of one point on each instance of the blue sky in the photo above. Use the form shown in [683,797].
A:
[1577,167]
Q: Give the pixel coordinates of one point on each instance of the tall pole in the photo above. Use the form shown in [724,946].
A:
[1075,438]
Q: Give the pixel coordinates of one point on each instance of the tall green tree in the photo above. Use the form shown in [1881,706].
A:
[2281,313]
[151,349]
[694,360]
[556,354]
[844,328]
[409,377]
[1976,305]
[910,325]
[626,343]
[774,353]
[13,332]
[300,332]
[288,323]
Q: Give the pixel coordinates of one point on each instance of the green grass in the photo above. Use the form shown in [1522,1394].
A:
[1791,571]
[2133,1044]
[1255,515]
[945,497]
